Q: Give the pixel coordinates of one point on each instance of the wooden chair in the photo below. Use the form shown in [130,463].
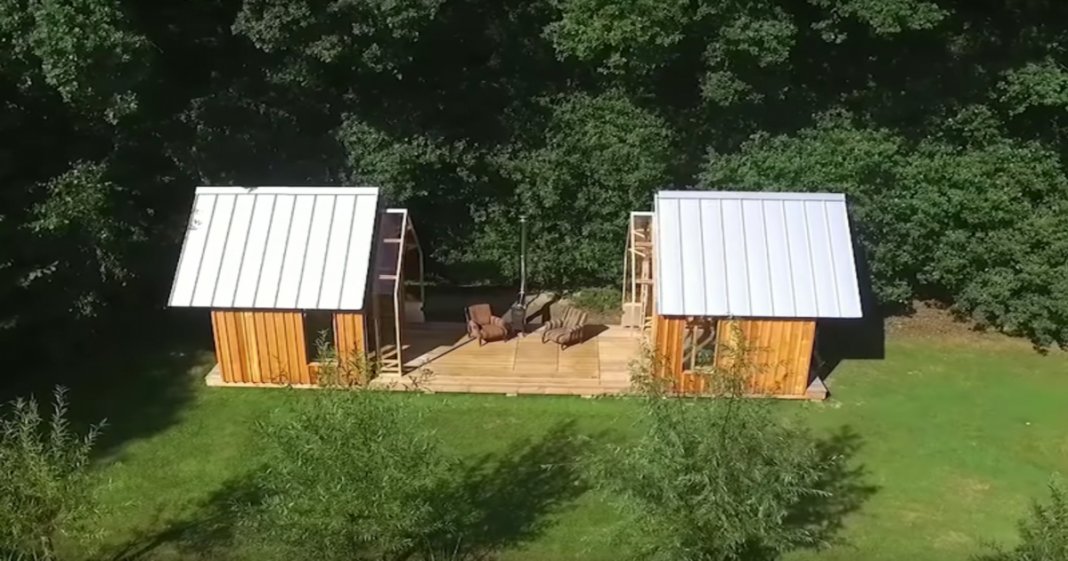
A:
[566,331]
[484,326]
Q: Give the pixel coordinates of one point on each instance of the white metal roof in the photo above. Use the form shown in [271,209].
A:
[742,254]
[303,248]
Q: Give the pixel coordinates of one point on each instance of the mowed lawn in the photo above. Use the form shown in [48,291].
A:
[954,436]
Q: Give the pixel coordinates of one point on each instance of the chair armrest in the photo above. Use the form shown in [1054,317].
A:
[473,329]
[499,322]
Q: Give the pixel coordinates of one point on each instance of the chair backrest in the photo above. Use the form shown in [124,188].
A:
[480,313]
[574,317]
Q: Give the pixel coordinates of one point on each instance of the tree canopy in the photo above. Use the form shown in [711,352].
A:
[946,123]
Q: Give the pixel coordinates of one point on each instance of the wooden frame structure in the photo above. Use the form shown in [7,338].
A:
[638,272]
[391,298]
[773,355]
[258,347]
[758,253]
[269,261]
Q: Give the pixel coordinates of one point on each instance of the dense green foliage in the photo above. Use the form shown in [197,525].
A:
[716,480]
[342,482]
[945,121]
[720,478]
[359,474]
[44,486]
[1044,534]
[597,300]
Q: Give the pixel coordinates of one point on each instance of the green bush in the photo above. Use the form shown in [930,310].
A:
[1044,534]
[358,475]
[599,300]
[351,475]
[341,371]
[43,469]
[722,479]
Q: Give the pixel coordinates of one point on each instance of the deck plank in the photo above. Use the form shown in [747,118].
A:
[599,365]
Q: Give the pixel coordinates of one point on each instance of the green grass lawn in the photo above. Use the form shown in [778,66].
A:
[956,436]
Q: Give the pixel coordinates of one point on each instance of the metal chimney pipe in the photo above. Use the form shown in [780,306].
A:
[519,308]
[522,260]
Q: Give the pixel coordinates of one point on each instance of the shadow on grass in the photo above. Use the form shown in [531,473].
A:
[845,486]
[208,534]
[496,502]
[506,499]
[138,376]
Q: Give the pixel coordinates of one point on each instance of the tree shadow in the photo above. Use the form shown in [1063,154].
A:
[137,375]
[863,338]
[503,500]
[844,488]
[207,534]
[490,504]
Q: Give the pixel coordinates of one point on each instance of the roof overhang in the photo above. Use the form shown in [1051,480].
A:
[305,248]
[746,254]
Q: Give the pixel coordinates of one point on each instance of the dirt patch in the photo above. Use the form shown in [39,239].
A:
[972,489]
[953,540]
[930,321]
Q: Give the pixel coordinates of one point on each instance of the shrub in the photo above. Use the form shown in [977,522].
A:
[342,370]
[43,483]
[717,478]
[1044,534]
[356,475]
[597,300]
[352,475]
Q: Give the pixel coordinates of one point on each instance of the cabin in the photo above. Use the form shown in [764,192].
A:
[282,268]
[711,274]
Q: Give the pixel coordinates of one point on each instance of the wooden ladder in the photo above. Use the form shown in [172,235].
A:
[388,284]
[389,361]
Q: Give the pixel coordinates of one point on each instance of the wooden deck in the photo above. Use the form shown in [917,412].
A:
[439,357]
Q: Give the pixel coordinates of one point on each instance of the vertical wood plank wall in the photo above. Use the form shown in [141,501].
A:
[667,340]
[256,347]
[779,353]
[348,333]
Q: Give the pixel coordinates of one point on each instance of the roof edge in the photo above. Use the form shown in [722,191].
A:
[751,195]
[280,190]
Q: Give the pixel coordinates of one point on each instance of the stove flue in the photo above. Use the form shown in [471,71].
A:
[519,308]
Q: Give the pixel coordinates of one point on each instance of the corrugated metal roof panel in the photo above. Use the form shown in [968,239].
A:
[742,254]
[277,248]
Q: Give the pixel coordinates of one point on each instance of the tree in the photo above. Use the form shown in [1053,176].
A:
[471,112]
[600,158]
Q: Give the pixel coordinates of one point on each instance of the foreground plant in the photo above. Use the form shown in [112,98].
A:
[336,370]
[352,475]
[359,474]
[1043,534]
[717,478]
[43,472]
